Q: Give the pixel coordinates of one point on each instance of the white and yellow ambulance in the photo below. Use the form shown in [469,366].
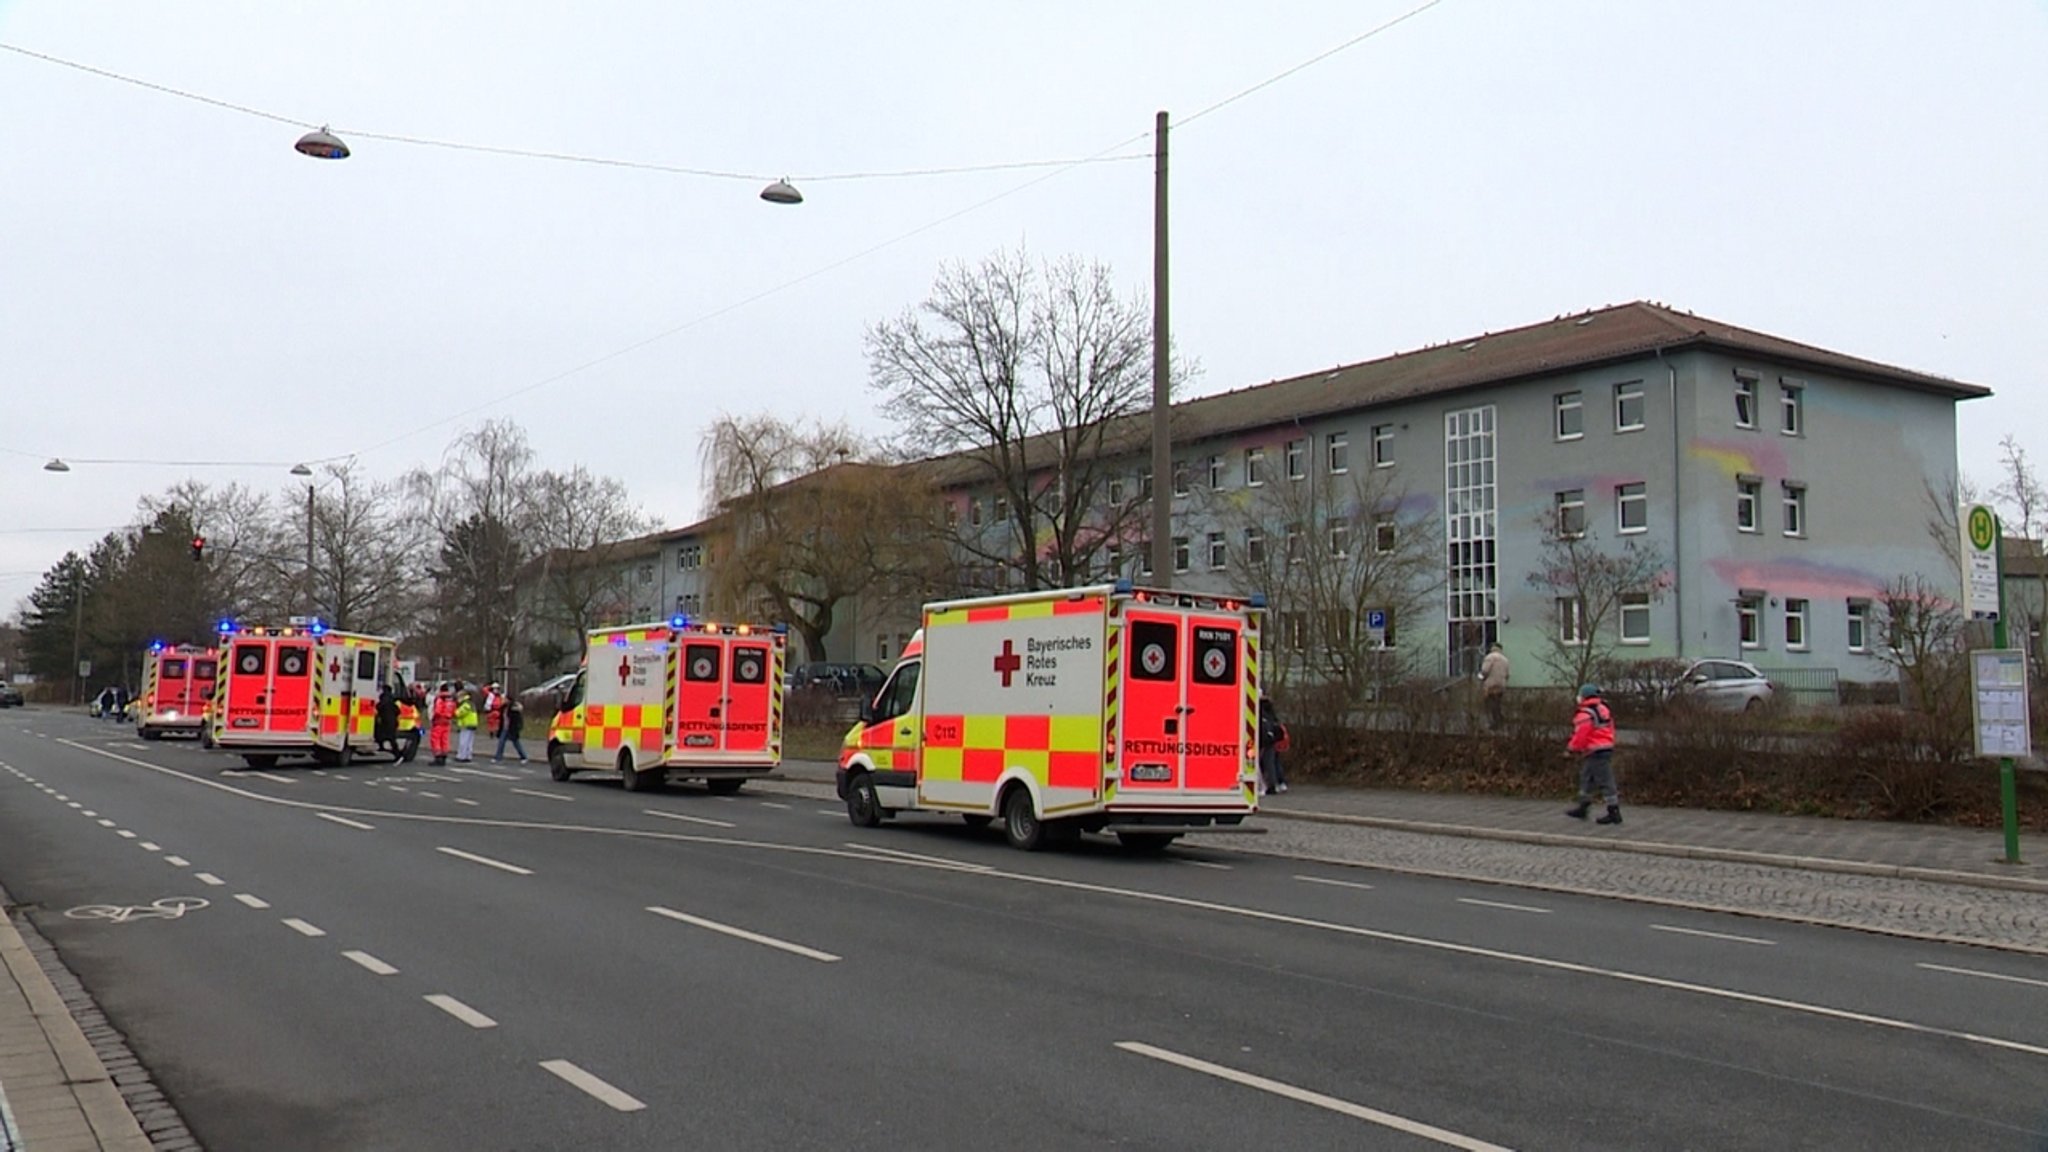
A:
[676,699]
[1102,709]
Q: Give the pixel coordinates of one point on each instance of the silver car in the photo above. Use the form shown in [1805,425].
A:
[1723,686]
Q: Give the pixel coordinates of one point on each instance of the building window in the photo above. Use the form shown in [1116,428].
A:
[1859,625]
[1570,511]
[1745,400]
[1219,551]
[974,512]
[1002,510]
[1295,552]
[1116,559]
[1340,539]
[1254,467]
[1145,486]
[1795,509]
[1792,408]
[1383,531]
[881,646]
[1180,553]
[1383,445]
[1254,546]
[1795,624]
[1116,492]
[647,573]
[1180,477]
[1628,406]
[1749,611]
[1632,507]
[1296,455]
[1144,557]
[1294,631]
[1471,523]
[1215,473]
[1749,494]
[1571,621]
[1635,618]
[1569,415]
[1338,445]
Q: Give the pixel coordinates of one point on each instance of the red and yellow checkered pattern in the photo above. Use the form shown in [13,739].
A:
[615,726]
[1059,751]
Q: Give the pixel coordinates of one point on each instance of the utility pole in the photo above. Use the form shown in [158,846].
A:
[1162,398]
[77,635]
[309,549]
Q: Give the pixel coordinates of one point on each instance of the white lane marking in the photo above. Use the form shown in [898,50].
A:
[431,795]
[177,861]
[486,861]
[897,855]
[1713,935]
[690,819]
[252,901]
[1985,975]
[831,811]
[124,834]
[370,783]
[442,779]
[591,1084]
[1304,1096]
[74,804]
[274,777]
[1205,864]
[727,799]
[104,822]
[484,772]
[1498,904]
[397,788]
[87,812]
[208,878]
[743,934]
[1334,883]
[471,803]
[346,822]
[147,846]
[62,796]
[461,1011]
[773,804]
[543,795]
[1134,894]
[303,928]
[370,962]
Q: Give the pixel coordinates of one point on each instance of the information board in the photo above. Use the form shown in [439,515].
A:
[1998,702]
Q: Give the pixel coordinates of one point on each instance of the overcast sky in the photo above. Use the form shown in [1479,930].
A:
[176,283]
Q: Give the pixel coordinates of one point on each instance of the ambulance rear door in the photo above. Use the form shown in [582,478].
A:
[246,709]
[1183,716]
[753,681]
[291,688]
[205,672]
[170,689]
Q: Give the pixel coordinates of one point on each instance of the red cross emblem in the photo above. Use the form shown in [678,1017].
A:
[625,670]
[1008,663]
[334,667]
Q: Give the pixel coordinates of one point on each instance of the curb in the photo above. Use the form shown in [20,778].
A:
[113,1126]
[1682,851]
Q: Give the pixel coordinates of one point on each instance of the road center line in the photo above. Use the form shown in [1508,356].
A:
[397,788]
[743,934]
[460,1011]
[689,819]
[431,795]
[831,811]
[74,804]
[939,860]
[1334,883]
[124,834]
[149,846]
[87,812]
[62,796]
[543,795]
[483,772]
[1983,975]
[773,804]
[460,800]
[252,901]
[486,861]
[1206,864]
[303,928]
[1498,904]
[274,777]
[1303,1095]
[591,1084]
[370,962]
[1713,935]
[104,822]
[346,822]
[208,878]
[177,861]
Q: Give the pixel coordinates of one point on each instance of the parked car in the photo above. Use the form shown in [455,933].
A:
[841,678]
[10,696]
[1723,686]
[542,698]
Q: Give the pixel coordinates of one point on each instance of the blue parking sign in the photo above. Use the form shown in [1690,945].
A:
[1376,620]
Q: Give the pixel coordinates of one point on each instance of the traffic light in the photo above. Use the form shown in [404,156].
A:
[198,548]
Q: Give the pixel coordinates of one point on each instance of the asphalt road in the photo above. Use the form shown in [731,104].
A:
[419,958]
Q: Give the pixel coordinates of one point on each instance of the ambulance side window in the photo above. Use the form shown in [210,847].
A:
[249,659]
[573,696]
[366,667]
[899,693]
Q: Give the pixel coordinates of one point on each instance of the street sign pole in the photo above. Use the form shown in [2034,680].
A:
[2008,782]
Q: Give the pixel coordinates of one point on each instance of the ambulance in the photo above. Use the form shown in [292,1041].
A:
[1103,709]
[303,690]
[177,690]
[683,699]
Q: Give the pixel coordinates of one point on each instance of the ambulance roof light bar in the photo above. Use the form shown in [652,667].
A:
[226,626]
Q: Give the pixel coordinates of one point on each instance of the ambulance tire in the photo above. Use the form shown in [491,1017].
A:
[724,787]
[978,819]
[149,733]
[1021,825]
[260,760]
[635,780]
[558,765]
[1146,843]
[863,804]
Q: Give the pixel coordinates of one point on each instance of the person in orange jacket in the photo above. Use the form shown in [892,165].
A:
[1593,743]
[441,724]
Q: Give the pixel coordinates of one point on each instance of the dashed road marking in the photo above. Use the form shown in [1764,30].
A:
[591,1084]
[104,822]
[1983,975]
[486,772]
[470,803]
[73,804]
[461,1011]
[177,861]
[208,878]
[743,934]
[544,795]
[1207,864]
[88,812]
[690,819]
[831,811]
[346,822]
[124,834]
[1334,883]
[431,795]
[274,777]
[1304,1096]
[252,901]
[1477,903]
[370,962]
[148,846]
[486,861]
[1713,935]
[914,857]
[773,804]
[303,928]
[398,788]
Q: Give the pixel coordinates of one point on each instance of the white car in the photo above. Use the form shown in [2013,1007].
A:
[1723,686]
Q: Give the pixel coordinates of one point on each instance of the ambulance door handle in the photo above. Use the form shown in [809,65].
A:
[1172,727]
[714,711]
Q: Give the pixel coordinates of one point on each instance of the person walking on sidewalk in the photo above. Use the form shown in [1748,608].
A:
[1593,743]
[465,726]
[511,718]
[1272,736]
[1493,684]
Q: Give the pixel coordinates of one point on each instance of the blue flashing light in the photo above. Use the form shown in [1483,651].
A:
[782,629]
[156,645]
[679,621]
[1124,587]
[225,627]
[317,628]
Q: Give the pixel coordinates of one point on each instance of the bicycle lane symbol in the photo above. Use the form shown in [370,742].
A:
[166,908]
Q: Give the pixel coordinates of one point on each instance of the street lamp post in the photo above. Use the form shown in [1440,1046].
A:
[1162,436]
[302,470]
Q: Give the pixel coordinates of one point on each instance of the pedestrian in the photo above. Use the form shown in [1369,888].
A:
[407,745]
[441,724]
[386,729]
[1593,743]
[494,709]
[1493,684]
[511,718]
[1272,741]
[465,726]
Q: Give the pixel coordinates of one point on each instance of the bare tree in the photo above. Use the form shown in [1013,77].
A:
[1586,584]
[478,512]
[583,526]
[2019,488]
[1034,376]
[366,568]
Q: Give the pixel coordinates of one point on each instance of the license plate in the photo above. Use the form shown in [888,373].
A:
[698,740]
[245,722]
[1151,773]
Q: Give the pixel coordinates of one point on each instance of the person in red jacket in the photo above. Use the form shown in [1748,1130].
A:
[441,724]
[1593,743]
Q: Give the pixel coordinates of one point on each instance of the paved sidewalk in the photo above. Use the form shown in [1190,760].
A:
[55,1095]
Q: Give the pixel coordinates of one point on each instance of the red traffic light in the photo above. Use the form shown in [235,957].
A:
[198,547]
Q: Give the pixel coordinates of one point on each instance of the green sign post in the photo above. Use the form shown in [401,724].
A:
[1984,595]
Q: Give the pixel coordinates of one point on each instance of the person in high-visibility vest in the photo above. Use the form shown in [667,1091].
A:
[408,728]
[465,726]
[441,724]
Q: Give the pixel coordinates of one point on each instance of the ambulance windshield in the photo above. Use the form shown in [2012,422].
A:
[899,693]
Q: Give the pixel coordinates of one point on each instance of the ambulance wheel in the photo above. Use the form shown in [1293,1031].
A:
[863,805]
[260,759]
[1021,825]
[724,787]
[1146,843]
[978,819]
[149,733]
[633,779]
[558,765]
